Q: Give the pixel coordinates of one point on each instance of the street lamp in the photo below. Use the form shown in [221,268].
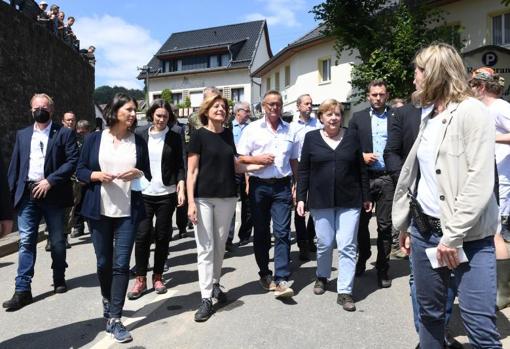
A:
[146,70]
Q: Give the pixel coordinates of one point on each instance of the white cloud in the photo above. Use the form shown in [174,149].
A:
[120,48]
[279,12]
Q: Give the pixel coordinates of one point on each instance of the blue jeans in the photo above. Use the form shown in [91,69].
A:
[29,217]
[340,224]
[452,293]
[113,240]
[476,284]
[271,202]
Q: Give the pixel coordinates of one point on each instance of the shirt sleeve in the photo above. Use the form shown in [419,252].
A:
[244,145]
[195,143]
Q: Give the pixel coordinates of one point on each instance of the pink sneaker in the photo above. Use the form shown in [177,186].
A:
[139,288]
[158,283]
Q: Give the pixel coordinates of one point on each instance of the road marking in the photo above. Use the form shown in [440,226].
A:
[144,310]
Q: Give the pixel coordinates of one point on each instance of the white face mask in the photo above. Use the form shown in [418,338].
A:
[139,184]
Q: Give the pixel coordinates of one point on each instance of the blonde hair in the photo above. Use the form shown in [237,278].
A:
[207,104]
[444,76]
[327,105]
[43,95]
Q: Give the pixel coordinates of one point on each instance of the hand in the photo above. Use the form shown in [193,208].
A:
[247,188]
[192,213]
[5,227]
[369,158]
[300,209]
[181,197]
[41,189]
[447,256]
[405,242]
[264,159]
[130,174]
[103,177]
[367,206]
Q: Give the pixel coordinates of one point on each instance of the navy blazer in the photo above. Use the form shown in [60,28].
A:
[89,162]
[59,165]
[172,161]
[361,123]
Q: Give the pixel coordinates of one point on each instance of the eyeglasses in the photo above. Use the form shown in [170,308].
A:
[273,105]
[246,110]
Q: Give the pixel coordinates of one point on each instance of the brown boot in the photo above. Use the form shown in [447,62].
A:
[139,288]
[158,283]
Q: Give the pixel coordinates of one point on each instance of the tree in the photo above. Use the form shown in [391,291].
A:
[166,95]
[187,102]
[386,37]
[505,2]
[104,94]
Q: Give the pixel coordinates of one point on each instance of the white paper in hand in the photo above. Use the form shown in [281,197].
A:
[432,256]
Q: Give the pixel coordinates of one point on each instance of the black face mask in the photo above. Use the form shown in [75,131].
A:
[41,115]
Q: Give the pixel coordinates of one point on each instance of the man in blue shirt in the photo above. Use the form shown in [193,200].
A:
[371,126]
[242,114]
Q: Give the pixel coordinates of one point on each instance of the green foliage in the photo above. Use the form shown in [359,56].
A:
[104,94]
[166,95]
[187,103]
[505,2]
[231,103]
[386,38]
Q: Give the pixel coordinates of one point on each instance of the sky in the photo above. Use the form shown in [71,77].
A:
[128,33]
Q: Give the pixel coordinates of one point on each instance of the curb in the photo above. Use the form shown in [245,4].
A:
[9,243]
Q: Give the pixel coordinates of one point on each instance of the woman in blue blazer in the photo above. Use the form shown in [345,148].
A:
[113,163]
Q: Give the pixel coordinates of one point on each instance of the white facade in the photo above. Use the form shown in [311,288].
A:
[305,77]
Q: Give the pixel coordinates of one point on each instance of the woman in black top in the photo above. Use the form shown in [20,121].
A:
[212,196]
[333,181]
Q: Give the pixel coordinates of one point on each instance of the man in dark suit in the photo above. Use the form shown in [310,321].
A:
[5,203]
[44,158]
[371,126]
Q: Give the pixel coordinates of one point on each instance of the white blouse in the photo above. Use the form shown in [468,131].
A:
[155,144]
[116,195]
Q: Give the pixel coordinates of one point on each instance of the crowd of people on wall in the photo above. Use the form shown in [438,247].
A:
[434,172]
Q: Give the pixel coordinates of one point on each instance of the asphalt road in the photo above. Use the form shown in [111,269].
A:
[252,318]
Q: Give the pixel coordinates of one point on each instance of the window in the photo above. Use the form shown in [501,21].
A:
[501,29]
[268,84]
[237,94]
[325,70]
[176,98]
[277,81]
[287,75]
[225,59]
[214,61]
[156,96]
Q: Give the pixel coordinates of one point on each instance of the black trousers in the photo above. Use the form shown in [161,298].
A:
[305,231]
[181,216]
[382,189]
[246,221]
[162,207]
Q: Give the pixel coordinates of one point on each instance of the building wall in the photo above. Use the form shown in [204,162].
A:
[32,60]
[197,82]
[475,16]
[261,57]
[305,78]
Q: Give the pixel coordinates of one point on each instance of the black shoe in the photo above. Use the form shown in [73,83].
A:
[182,233]
[383,280]
[320,286]
[68,245]
[77,233]
[229,246]
[18,300]
[205,310]
[312,247]
[450,342]
[61,287]
[243,242]
[303,251]
[218,294]
[360,269]
[48,245]
[190,225]
[346,301]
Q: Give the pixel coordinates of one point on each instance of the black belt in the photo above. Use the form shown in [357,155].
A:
[435,224]
[274,180]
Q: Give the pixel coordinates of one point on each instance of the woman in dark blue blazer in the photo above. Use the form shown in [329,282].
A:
[114,164]
[333,180]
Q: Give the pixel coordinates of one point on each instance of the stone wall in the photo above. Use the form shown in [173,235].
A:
[33,60]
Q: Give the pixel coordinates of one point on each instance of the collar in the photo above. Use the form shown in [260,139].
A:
[302,122]
[46,130]
[426,111]
[380,115]
[236,123]
[265,123]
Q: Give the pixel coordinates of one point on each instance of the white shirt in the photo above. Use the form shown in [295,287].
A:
[259,138]
[500,111]
[116,195]
[427,185]
[300,128]
[155,144]
[331,142]
[38,147]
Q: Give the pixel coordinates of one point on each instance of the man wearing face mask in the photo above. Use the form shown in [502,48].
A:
[44,158]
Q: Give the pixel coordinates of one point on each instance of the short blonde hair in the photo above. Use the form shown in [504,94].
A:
[444,76]
[207,104]
[43,95]
[328,105]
